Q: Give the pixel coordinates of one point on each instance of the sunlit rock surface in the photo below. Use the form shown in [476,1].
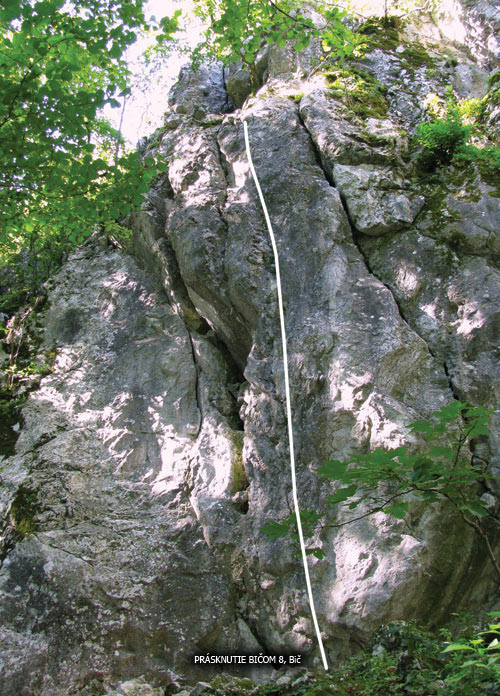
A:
[152,455]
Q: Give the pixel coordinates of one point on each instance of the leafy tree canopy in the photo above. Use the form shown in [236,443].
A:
[61,176]
[237,29]
[60,63]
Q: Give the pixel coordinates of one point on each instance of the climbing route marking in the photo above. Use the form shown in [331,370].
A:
[287,394]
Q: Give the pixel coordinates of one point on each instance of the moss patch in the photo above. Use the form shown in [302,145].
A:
[23,511]
[10,415]
[387,36]
[378,33]
[359,91]
[494,87]
[415,55]
[233,686]
[461,183]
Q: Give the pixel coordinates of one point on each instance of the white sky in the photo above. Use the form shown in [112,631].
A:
[148,102]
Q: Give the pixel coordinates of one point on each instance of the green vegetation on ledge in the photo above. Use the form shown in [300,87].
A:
[457,134]
[23,511]
[359,91]
[386,34]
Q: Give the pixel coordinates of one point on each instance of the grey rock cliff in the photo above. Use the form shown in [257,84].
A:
[155,451]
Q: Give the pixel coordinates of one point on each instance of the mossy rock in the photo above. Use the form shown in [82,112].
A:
[380,32]
[232,686]
[386,35]
[494,80]
[359,91]
[10,415]
[23,511]
[415,55]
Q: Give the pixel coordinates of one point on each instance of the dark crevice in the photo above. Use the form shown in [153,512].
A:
[453,389]
[316,152]
[235,381]
[242,507]
[236,372]
[254,630]
[8,540]
[235,369]
[158,246]
[223,161]
[225,168]
[229,106]
[197,382]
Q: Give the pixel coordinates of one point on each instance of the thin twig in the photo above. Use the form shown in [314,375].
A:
[294,19]
[379,508]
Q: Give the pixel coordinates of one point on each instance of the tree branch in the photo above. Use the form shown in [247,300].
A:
[294,19]
[379,508]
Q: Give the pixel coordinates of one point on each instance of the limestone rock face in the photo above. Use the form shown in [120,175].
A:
[238,84]
[109,576]
[375,200]
[152,455]
[201,92]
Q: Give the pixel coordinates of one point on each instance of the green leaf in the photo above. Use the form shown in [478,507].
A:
[319,553]
[439,451]
[476,507]
[274,530]
[428,496]
[453,647]
[334,470]
[342,494]
[450,412]
[421,427]
[398,509]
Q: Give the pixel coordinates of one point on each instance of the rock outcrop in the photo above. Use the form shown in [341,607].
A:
[152,455]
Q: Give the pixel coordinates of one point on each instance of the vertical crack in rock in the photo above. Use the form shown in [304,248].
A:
[317,156]
[197,384]
[366,261]
[453,388]
[228,106]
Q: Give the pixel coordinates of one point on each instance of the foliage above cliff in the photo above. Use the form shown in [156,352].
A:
[61,174]
[238,29]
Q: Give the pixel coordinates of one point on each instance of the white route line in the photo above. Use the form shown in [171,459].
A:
[287,393]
